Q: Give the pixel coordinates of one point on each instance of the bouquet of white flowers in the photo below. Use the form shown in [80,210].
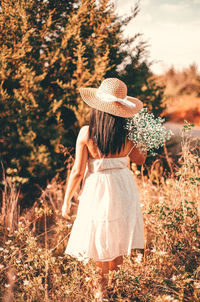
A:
[146,131]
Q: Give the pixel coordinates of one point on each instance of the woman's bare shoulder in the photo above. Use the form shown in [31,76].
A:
[83,134]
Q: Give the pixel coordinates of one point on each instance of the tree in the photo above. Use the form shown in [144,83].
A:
[48,50]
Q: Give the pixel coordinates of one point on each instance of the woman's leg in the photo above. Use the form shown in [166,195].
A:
[107,266]
[114,266]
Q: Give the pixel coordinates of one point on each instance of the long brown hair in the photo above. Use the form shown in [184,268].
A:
[108,131]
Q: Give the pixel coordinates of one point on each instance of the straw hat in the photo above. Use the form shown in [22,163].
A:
[111,97]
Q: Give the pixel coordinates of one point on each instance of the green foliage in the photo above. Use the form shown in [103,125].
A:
[34,102]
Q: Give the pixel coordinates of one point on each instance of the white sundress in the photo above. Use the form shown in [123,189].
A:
[109,221]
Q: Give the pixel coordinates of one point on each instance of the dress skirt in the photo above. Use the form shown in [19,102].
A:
[109,220]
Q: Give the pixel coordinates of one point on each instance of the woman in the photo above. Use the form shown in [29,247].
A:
[109,221]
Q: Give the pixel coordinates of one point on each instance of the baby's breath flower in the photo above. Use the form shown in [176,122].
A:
[7,285]
[146,131]
[1,266]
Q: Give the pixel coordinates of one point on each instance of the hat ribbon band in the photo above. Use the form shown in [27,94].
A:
[109,98]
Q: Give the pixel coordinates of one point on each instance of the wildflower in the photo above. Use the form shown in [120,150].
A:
[12,247]
[173,278]
[161,253]
[137,172]
[26,282]
[138,259]
[69,225]
[197,285]
[97,295]
[1,266]
[7,285]
[6,251]
[1,249]
[8,242]
[87,279]
[169,298]
[18,261]
[85,260]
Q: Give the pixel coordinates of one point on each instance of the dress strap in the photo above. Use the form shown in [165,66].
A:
[131,150]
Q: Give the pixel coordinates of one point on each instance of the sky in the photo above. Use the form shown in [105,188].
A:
[171,28]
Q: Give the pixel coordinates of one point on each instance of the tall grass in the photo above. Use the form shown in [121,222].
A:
[33,266]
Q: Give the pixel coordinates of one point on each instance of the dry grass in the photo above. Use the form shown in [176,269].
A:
[34,268]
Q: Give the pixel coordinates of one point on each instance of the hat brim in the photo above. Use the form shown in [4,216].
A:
[89,96]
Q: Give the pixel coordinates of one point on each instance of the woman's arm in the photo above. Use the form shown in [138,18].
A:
[78,169]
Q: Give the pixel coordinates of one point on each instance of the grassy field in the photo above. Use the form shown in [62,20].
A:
[32,262]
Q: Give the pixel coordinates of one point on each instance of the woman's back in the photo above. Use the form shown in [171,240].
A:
[127,150]
[94,152]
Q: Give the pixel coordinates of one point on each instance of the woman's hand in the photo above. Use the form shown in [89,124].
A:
[137,156]
[66,211]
